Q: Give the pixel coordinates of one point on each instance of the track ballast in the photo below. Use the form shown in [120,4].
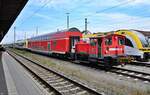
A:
[58,83]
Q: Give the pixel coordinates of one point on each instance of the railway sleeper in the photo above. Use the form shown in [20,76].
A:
[55,81]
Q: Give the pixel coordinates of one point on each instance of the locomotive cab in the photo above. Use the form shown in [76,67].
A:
[114,50]
[113,45]
[108,49]
[103,49]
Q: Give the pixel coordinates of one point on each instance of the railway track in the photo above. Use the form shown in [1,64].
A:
[137,75]
[59,84]
[146,64]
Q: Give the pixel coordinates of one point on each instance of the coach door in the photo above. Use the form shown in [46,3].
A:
[73,41]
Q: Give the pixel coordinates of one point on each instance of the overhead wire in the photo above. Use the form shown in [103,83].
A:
[36,11]
[130,19]
[103,10]
[110,8]
[97,12]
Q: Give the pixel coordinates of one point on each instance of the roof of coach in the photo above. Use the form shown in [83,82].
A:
[73,29]
[49,34]
[145,33]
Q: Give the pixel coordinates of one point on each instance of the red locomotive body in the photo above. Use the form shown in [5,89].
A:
[113,45]
[106,48]
[61,42]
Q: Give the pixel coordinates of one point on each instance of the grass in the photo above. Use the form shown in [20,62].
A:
[108,87]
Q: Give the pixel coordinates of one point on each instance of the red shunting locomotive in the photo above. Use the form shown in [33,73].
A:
[107,49]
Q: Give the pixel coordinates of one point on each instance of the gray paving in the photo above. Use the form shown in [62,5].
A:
[18,80]
[3,86]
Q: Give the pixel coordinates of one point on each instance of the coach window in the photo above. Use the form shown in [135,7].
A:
[108,41]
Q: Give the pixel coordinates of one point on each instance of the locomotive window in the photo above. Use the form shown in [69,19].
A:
[121,41]
[108,41]
[93,42]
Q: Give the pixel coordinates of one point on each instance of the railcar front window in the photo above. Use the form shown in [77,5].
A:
[143,39]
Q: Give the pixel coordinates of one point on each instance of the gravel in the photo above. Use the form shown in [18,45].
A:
[109,83]
[137,68]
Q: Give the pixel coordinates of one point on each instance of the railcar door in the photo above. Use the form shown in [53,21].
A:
[73,41]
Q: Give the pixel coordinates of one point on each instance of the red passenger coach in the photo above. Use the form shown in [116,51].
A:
[58,43]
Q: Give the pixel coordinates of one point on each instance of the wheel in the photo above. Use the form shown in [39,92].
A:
[108,62]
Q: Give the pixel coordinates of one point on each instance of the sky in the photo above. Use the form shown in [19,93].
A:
[47,16]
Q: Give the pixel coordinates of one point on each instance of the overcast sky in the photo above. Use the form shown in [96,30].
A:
[102,15]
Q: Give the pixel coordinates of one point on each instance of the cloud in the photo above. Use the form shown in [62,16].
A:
[117,16]
[56,4]
[43,16]
[115,21]
[52,15]
[138,2]
[71,4]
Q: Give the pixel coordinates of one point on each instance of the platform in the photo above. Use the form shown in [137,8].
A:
[17,80]
[3,86]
